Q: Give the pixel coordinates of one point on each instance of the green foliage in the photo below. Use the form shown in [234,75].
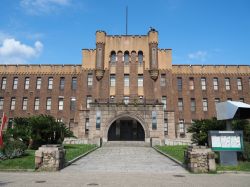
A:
[200,128]
[12,147]
[38,130]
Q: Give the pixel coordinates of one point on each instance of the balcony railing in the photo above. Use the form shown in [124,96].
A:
[128,101]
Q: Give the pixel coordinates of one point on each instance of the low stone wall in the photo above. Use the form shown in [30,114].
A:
[50,158]
[200,159]
[75,141]
[177,142]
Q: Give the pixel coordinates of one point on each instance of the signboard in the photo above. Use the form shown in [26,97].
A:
[226,140]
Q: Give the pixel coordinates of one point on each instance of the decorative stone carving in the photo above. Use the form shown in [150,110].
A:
[154,74]
[50,158]
[99,74]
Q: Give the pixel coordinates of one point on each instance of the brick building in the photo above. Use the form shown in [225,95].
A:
[125,89]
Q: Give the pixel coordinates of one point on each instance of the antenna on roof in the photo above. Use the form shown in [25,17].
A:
[126,20]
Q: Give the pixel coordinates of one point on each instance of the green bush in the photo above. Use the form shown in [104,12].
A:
[38,130]
[15,148]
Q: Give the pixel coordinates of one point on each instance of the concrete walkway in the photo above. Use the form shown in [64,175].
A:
[125,159]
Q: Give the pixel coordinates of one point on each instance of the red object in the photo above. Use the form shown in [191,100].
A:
[4,119]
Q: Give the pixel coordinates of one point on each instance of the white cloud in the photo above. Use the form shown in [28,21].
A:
[36,7]
[198,55]
[13,51]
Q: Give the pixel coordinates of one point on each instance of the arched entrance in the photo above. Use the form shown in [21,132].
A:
[126,129]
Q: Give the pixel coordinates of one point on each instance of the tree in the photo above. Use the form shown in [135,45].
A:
[39,130]
[200,128]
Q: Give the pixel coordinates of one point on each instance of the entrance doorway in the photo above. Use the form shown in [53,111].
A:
[126,129]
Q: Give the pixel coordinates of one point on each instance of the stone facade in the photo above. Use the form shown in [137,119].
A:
[50,158]
[200,159]
[121,69]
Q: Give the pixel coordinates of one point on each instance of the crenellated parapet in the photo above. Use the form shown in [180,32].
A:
[211,69]
[41,69]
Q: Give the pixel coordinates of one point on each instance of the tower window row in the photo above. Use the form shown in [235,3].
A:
[126,58]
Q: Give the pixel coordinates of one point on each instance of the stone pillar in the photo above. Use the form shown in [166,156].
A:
[50,158]
[200,159]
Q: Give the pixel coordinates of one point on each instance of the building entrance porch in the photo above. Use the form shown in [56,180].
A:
[126,129]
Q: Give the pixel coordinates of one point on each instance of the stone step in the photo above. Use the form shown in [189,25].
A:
[126,144]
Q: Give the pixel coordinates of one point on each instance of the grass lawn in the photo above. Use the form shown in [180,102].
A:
[176,151]
[73,151]
[242,166]
[28,160]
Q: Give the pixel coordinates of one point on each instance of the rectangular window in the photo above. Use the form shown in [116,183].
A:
[37,103]
[98,120]
[154,120]
[90,79]
[73,83]
[241,100]
[191,83]
[229,99]
[15,83]
[48,103]
[4,81]
[193,105]
[165,126]
[179,83]
[239,83]
[13,103]
[73,103]
[1,103]
[205,104]
[227,83]
[164,102]
[27,83]
[126,80]
[216,83]
[180,104]
[25,103]
[126,100]
[89,100]
[203,83]
[112,80]
[140,80]
[216,100]
[62,83]
[50,83]
[60,103]
[181,126]
[86,124]
[38,83]
[163,79]
[112,99]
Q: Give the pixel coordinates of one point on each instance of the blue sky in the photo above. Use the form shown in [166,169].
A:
[55,31]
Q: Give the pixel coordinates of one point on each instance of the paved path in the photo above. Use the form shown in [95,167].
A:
[117,179]
[125,159]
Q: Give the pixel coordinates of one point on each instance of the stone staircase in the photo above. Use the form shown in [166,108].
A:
[126,144]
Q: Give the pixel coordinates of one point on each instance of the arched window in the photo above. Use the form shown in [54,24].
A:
[113,57]
[126,57]
[140,57]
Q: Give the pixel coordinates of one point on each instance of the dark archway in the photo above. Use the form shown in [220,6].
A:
[126,129]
